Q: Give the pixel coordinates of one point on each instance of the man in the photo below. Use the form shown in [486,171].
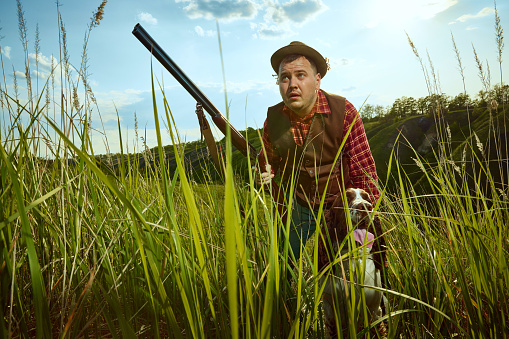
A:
[303,137]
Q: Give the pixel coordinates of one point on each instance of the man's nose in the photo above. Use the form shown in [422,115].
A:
[292,83]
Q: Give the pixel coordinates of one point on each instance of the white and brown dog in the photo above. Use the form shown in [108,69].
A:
[362,267]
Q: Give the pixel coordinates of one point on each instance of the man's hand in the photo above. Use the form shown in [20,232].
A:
[265,177]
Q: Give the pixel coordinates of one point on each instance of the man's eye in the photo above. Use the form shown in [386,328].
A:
[301,75]
[283,78]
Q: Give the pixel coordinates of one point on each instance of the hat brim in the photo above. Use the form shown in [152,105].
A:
[300,49]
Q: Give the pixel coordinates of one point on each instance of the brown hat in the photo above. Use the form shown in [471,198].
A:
[297,47]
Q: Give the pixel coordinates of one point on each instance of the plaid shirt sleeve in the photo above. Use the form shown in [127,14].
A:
[360,160]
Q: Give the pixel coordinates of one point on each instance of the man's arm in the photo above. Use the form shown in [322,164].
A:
[268,159]
[361,162]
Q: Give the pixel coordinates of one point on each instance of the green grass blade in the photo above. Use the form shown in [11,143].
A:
[39,291]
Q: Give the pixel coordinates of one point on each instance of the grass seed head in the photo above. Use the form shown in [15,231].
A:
[98,15]
[499,34]
[75,99]
[479,144]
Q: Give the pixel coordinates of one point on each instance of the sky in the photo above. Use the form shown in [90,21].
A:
[365,42]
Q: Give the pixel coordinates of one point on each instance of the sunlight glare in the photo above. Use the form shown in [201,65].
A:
[401,13]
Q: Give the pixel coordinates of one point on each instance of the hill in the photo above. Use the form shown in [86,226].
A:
[417,137]
[407,139]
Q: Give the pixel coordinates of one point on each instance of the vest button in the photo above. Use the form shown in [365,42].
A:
[310,172]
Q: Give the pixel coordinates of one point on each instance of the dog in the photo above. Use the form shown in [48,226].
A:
[361,267]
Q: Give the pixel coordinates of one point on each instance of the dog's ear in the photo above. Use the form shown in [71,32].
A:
[336,220]
[379,249]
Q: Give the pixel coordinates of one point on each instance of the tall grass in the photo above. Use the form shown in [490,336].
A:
[85,252]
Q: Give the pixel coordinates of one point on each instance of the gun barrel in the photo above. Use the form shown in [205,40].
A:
[237,139]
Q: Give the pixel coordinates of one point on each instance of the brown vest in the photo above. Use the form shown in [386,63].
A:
[315,161]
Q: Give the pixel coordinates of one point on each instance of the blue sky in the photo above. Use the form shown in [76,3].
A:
[364,40]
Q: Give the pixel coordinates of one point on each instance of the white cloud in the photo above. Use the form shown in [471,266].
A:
[297,11]
[341,62]
[110,102]
[45,65]
[21,75]
[279,19]
[6,51]
[201,32]
[220,9]
[147,18]
[349,89]
[267,31]
[482,13]
[44,60]
[427,9]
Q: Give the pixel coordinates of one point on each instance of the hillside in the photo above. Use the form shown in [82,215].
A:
[416,137]
[409,138]
[197,159]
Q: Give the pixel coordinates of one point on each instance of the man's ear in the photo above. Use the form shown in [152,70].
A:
[318,80]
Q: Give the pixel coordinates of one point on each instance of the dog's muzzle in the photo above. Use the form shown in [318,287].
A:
[359,210]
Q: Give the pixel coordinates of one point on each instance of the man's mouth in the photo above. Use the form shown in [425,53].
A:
[293,96]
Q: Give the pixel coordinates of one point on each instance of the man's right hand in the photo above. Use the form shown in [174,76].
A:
[265,177]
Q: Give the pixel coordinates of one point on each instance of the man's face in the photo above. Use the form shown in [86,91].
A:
[298,85]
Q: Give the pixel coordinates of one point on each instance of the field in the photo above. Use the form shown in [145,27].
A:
[90,253]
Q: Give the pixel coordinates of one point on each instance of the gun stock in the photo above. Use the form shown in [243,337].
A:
[219,120]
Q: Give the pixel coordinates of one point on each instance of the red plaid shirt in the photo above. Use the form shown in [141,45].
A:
[362,166]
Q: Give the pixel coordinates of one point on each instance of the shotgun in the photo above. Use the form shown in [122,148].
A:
[219,120]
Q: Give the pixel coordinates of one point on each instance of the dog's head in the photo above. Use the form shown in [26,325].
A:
[359,206]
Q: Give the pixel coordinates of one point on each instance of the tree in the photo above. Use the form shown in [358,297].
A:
[402,107]
[500,93]
[460,102]
[483,99]
[396,109]
[409,106]
[367,112]
[438,104]
[380,111]
[423,105]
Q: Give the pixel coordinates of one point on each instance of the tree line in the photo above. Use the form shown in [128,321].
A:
[435,104]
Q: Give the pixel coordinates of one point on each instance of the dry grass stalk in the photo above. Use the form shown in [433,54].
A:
[15,86]
[461,70]
[499,38]
[37,48]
